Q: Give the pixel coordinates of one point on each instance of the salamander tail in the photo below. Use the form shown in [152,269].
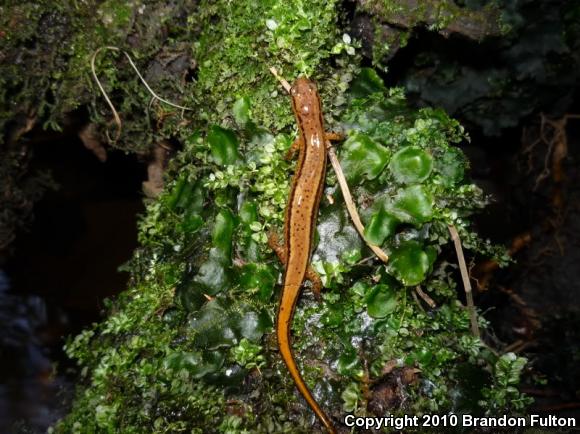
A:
[283,330]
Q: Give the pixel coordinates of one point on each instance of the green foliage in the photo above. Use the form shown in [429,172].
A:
[381,300]
[410,262]
[363,157]
[224,145]
[410,165]
[294,36]
[45,53]
[189,346]
[503,393]
[45,70]
[381,225]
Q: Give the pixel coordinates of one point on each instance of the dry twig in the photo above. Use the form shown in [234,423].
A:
[425,297]
[350,206]
[116,116]
[465,279]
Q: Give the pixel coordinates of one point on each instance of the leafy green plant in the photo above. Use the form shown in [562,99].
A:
[189,347]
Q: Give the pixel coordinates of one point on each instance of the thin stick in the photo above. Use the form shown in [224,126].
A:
[417,300]
[284,83]
[350,206]
[151,90]
[115,114]
[465,278]
[425,297]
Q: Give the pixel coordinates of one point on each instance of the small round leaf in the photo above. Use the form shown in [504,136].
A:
[381,300]
[414,204]
[410,263]
[411,165]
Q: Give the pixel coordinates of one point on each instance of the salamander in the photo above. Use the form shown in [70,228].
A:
[300,223]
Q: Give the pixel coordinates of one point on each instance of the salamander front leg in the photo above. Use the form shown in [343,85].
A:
[334,137]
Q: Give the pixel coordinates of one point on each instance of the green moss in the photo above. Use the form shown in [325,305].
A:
[45,53]
[445,16]
[295,37]
[438,14]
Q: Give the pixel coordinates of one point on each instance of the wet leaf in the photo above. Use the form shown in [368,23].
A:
[223,231]
[381,300]
[381,226]
[190,295]
[259,278]
[213,275]
[212,361]
[186,196]
[224,145]
[211,331]
[197,363]
[414,204]
[230,379]
[409,263]
[248,323]
[250,327]
[411,164]
[362,157]
[424,356]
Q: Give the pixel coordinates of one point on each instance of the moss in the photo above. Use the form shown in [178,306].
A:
[234,59]
[189,346]
[438,15]
[395,21]
[45,80]
[46,63]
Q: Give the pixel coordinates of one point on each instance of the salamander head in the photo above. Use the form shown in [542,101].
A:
[304,97]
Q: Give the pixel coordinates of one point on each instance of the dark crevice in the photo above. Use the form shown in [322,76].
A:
[62,267]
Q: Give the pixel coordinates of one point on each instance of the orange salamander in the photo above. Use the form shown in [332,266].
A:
[300,222]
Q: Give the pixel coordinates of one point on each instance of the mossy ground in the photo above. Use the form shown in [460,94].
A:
[188,347]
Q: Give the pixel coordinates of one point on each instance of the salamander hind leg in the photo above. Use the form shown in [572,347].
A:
[274,244]
[314,278]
